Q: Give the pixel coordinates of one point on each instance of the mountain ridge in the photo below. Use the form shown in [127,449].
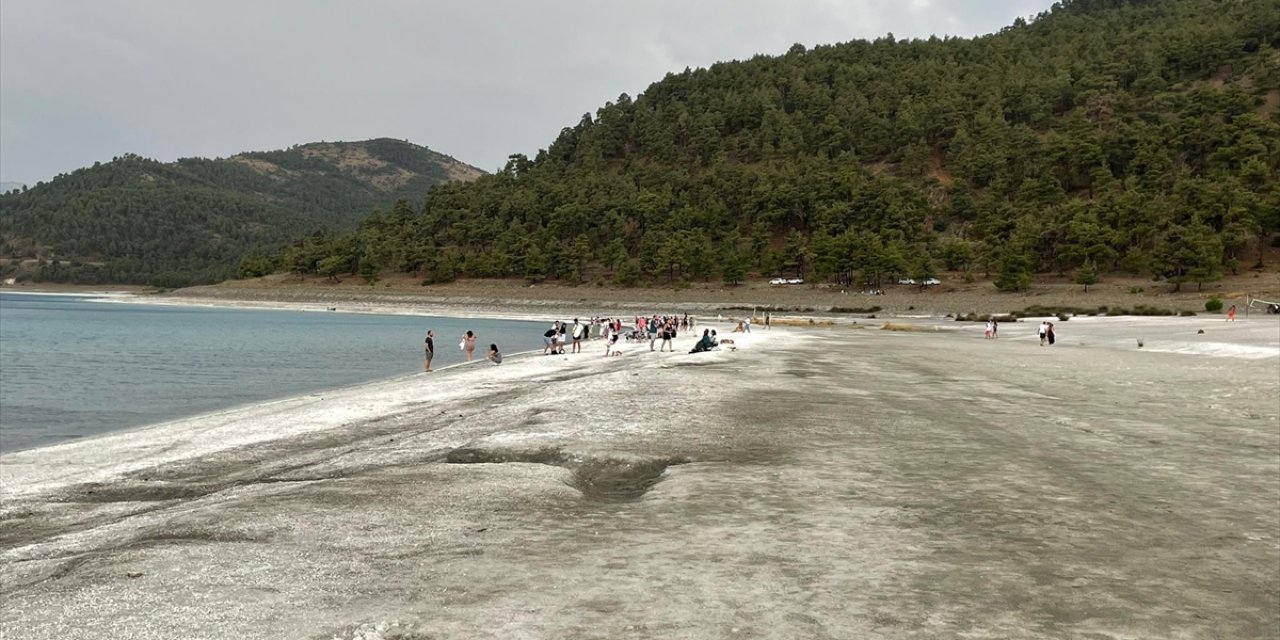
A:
[138,220]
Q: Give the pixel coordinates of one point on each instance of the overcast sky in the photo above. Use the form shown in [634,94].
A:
[82,81]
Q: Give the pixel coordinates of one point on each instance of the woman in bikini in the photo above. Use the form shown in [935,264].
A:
[469,344]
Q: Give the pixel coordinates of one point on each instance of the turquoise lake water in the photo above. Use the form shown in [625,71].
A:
[73,366]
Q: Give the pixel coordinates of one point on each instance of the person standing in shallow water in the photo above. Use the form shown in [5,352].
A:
[430,346]
[469,344]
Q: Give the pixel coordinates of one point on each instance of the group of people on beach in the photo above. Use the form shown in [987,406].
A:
[993,330]
[467,344]
[653,328]
[1046,333]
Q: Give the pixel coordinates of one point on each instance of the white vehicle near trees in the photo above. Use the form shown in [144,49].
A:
[929,282]
[906,281]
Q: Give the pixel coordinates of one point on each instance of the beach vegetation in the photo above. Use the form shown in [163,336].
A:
[1015,271]
[1087,274]
[1141,310]
[1213,305]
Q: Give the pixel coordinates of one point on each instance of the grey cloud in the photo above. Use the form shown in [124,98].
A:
[83,81]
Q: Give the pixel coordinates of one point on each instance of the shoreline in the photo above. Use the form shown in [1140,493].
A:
[520,300]
[519,311]
[20,470]
[170,430]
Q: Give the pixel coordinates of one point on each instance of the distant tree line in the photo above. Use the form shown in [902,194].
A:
[136,220]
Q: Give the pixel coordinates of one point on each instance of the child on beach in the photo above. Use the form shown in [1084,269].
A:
[494,356]
[1231,314]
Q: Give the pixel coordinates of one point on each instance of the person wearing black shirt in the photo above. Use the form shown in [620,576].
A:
[430,350]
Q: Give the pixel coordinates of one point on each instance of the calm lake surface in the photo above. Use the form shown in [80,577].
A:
[76,366]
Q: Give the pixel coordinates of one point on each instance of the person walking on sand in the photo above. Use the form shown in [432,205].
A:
[768,321]
[987,334]
[1050,335]
[995,328]
[430,345]
[469,344]
[1044,333]
[494,356]
[1231,314]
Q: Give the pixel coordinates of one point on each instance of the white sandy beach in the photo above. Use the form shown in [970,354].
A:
[818,482]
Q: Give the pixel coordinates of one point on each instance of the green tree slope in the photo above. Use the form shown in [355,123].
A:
[136,220]
[1127,135]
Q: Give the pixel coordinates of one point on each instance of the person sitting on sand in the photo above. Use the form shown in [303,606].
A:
[704,343]
[494,356]
[739,328]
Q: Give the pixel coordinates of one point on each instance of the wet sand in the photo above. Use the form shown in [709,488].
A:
[841,482]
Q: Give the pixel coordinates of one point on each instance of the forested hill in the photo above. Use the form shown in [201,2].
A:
[136,220]
[1102,135]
